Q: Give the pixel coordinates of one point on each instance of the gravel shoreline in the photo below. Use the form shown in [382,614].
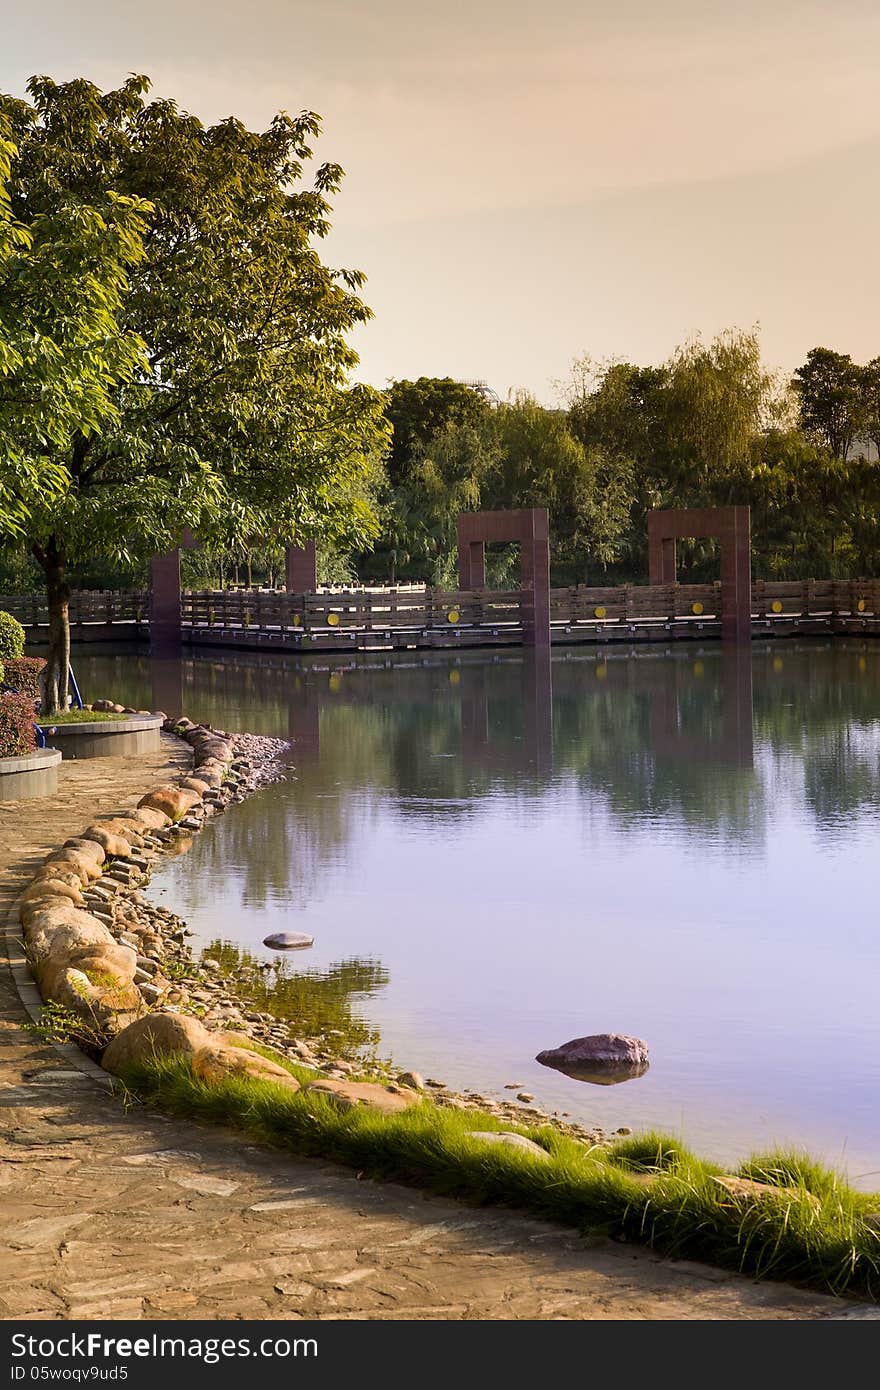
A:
[172,979]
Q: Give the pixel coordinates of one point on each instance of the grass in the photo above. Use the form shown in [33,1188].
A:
[648,1189]
[77,716]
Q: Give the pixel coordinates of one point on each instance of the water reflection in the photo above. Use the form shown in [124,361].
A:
[676,843]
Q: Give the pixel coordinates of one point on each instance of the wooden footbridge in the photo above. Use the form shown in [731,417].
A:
[304,618]
[407,618]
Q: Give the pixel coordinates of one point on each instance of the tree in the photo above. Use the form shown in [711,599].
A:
[419,410]
[870,384]
[240,419]
[61,349]
[829,388]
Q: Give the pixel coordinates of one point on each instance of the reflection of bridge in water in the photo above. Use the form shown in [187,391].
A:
[506,704]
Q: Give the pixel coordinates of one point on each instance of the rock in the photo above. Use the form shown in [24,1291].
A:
[744,1191]
[52,887]
[348,1094]
[115,846]
[129,829]
[510,1141]
[195,784]
[219,1061]
[288,940]
[86,845]
[413,1079]
[150,818]
[525,1096]
[603,1059]
[208,963]
[84,865]
[173,801]
[62,873]
[157,1035]
[108,1010]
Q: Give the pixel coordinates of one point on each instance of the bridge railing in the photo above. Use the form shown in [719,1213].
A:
[275,611]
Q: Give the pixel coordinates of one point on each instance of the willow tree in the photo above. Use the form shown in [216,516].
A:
[239,418]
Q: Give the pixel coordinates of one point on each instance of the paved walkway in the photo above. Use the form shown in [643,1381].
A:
[108,1213]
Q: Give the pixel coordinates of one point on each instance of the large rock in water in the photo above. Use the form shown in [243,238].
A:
[602,1058]
[288,940]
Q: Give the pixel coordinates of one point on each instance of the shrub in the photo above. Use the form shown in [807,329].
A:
[17,733]
[11,637]
[23,674]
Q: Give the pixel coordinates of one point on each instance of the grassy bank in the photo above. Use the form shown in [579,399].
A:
[648,1189]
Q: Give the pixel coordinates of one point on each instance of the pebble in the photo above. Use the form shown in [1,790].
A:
[525,1096]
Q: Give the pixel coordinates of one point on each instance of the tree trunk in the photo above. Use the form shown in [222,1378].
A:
[58,660]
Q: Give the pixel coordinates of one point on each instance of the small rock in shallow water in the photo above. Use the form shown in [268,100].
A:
[288,940]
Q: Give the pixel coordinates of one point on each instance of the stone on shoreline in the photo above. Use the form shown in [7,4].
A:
[349,1094]
[219,1061]
[510,1141]
[156,1035]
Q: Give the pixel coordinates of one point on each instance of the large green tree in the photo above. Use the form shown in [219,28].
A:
[240,419]
[829,387]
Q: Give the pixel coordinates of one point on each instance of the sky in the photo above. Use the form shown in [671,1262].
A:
[527,183]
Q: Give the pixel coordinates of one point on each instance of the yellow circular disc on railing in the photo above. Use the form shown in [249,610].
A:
[296,620]
[454,677]
[699,668]
[599,612]
[332,619]
[601,673]
[453,615]
[778,664]
[776,606]
[697,608]
[335,681]
[863,665]
[860,606]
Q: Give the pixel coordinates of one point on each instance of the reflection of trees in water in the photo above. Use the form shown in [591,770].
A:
[315,1003]
[639,736]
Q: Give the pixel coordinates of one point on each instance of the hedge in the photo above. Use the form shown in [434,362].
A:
[23,674]
[17,733]
[11,637]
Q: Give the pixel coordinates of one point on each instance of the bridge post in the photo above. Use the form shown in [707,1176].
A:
[529,528]
[165,610]
[732,527]
[301,568]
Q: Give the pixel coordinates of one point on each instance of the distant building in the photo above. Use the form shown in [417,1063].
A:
[485,390]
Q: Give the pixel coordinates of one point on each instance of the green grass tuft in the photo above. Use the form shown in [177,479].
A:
[648,1189]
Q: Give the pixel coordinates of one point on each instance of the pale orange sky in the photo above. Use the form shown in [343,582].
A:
[528,182]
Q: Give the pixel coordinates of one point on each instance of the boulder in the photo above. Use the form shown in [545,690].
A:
[288,940]
[61,937]
[210,771]
[390,1100]
[85,845]
[84,865]
[61,872]
[114,846]
[746,1191]
[195,784]
[53,887]
[108,1011]
[156,1035]
[174,801]
[150,818]
[220,1061]
[130,830]
[49,913]
[604,1059]
[108,967]
[510,1141]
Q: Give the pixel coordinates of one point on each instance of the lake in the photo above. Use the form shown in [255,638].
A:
[495,854]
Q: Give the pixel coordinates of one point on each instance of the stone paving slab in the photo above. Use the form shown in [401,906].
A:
[116,1213]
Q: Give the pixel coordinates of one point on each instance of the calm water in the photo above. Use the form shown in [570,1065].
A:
[494,857]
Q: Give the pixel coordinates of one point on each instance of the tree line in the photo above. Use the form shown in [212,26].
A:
[711,426]
[174,352]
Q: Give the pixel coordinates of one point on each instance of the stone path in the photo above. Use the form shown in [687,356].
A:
[115,1213]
